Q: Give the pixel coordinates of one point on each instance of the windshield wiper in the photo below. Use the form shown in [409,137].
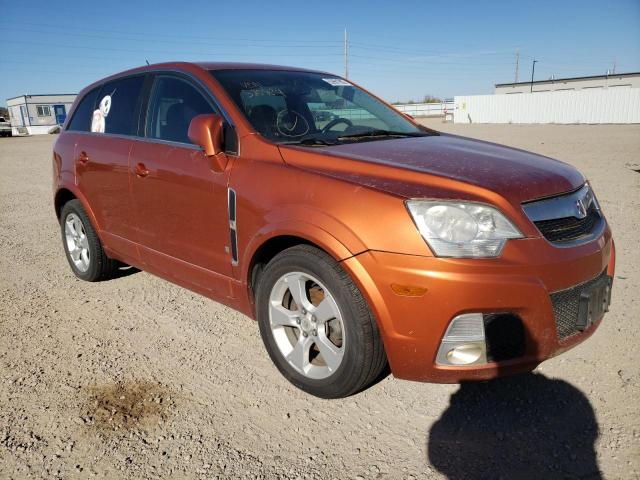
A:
[311,141]
[317,141]
[383,133]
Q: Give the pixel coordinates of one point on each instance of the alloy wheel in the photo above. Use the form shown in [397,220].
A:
[307,325]
[77,242]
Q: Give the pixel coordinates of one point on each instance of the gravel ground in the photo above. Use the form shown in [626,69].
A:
[137,378]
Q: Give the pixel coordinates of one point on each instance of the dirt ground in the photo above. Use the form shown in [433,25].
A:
[137,378]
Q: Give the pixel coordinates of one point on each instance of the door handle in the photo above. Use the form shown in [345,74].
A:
[141,170]
[83,158]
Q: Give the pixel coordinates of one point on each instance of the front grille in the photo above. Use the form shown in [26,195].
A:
[504,336]
[567,229]
[566,304]
[568,219]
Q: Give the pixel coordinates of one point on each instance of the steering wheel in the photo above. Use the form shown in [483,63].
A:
[336,121]
[291,124]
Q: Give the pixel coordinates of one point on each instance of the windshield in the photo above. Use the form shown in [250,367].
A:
[311,108]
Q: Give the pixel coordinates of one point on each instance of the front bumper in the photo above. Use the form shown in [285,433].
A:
[518,282]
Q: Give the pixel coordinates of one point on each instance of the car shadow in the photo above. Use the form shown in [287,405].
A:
[124,271]
[526,426]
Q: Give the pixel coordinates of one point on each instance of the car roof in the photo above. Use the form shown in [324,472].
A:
[217,66]
[204,65]
[249,66]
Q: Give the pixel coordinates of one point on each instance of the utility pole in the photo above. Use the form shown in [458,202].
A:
[346,54]
[613,72]
[517,65]
[533,70]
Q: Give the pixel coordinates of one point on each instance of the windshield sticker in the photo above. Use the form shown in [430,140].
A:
[100,114]
[337,82]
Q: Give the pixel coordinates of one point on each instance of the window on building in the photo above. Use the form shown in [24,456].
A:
[43,110]
[173,104]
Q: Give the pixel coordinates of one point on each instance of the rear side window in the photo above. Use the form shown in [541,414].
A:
[173,104]
[116,107]
[81,120]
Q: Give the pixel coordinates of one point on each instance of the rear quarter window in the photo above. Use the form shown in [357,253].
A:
[116,107]
[81,120]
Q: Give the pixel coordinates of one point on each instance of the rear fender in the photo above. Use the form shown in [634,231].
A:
[67,182]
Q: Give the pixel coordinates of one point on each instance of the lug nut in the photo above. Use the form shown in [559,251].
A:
[305,334]
[298,320]
[304,312]
[313,318]
[314,333]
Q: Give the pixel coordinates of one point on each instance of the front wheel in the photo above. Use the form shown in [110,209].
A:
[316,326]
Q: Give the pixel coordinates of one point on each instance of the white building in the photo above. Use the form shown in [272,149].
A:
[613,80]
[36,114]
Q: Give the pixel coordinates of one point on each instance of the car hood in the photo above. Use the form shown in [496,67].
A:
[437,164]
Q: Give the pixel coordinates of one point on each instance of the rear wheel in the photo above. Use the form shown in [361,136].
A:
[316,325]
[82,246]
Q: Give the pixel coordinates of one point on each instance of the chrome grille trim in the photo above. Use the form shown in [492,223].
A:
[571,207]
[561,206]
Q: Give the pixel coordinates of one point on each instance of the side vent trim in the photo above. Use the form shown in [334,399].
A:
[231,207]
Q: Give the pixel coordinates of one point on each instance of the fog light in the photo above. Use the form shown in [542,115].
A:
[465,354]
[464,341]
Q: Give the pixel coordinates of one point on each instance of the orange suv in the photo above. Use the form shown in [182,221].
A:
[356,237]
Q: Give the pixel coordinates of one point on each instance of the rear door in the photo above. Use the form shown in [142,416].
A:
[102,162]
[180,202]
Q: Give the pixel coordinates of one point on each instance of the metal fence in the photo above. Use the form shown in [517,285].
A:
[426,109]
[610,105]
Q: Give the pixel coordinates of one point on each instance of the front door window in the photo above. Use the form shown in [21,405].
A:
[174,102]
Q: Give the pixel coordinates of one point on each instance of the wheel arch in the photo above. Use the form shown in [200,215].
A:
[65,194]
[62,196]
[266,246]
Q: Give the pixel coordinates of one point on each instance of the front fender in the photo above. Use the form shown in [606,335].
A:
[300,228]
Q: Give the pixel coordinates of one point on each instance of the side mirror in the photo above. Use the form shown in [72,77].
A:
[206,131]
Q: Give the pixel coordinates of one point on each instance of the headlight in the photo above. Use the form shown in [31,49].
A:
[460,229]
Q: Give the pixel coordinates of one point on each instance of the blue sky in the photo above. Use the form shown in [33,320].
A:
[400,50]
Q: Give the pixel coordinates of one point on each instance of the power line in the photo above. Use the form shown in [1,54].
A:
[373,46]
[165,52]
[396,60]
[150,36]
[227,42]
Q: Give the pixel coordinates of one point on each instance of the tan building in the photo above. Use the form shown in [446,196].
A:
[618,80]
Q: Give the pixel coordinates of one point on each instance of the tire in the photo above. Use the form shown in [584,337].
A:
[91,263]
[333,310]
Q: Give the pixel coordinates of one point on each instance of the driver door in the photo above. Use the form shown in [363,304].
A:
[180,202]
